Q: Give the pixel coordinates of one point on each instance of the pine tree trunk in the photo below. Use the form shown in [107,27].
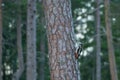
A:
[0,39]
[112,61]
[60,40]
[98,42]
[20,69]
[31,40]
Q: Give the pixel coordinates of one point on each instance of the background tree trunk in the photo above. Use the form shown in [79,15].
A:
[112,61]
[31,40]
[60,40]
[0,39]
[42,58]
[18,73]
[98,42]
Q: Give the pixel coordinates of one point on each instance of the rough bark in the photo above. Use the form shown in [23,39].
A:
[18,73]
[111,54]
[63,65]
[31,40]
[98,43]
[0,39]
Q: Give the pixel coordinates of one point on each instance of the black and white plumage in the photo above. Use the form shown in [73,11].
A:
[78,51]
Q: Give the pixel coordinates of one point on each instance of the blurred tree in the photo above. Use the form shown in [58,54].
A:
[31,40]
[42,57]
[62,62]
[112,61]
[115,22]
[0,39]
[42,47]
[18,73]
[98,42]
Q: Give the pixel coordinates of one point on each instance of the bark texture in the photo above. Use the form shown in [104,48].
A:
[112,61]
[60,40]
[0,39]
[31,40]
[20,69]
[98,42]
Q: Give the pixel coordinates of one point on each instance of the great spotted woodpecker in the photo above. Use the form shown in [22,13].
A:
[78,51]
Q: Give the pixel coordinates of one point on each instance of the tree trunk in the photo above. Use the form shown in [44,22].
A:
[63,65]
[0,39]
[112,61]
[31,40]
[42,58]
[98,42]
[93,74]
[20,69]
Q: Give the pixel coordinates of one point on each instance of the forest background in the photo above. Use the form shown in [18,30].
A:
[86,14]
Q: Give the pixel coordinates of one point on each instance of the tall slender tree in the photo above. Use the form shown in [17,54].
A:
[31,40]
[112,61]
[42,65]
[98,42]
[42,48]
[0,39]
[20,69]
[59,22]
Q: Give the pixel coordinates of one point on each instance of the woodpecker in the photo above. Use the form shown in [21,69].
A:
[78,51]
